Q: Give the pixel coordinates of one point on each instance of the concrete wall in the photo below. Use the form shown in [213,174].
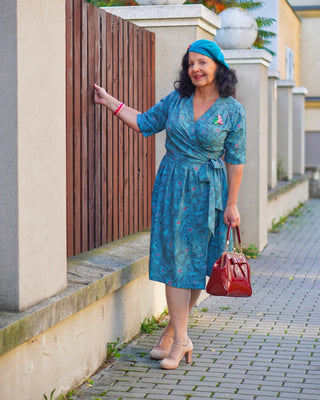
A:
[33,166]
[63,356]
[281,205]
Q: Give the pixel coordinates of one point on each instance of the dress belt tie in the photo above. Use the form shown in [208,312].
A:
[215,187]
[214,180]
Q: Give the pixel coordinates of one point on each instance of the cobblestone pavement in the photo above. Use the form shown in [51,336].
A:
[263,347]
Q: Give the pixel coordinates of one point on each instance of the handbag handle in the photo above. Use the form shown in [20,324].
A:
[228,236]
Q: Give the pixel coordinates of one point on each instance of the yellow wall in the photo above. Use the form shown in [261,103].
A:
[288,35]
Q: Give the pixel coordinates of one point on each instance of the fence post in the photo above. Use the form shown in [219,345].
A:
[252,71]
[285,136]
[273,77]
[32,153]
[299,94]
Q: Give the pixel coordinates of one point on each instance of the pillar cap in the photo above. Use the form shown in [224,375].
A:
[273,73]
[300,90]
[169,15]
[247,56]
[286,83]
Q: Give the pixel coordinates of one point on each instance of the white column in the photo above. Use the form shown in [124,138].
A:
[273,77]
[299,94]
[32,153]
[251,67]
[285,129]
[175,27]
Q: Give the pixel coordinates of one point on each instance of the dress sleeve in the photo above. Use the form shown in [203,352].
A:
[236,141]
[154,120]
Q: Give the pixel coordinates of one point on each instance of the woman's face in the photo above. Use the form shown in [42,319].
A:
[201,70]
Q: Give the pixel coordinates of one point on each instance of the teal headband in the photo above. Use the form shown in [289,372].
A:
[209,49]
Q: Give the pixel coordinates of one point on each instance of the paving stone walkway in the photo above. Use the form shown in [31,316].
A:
[259,348]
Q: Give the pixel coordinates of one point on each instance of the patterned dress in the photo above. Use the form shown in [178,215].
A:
[190,191]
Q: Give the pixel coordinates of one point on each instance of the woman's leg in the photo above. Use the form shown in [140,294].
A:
[178,301]
[195,293]
[192,302]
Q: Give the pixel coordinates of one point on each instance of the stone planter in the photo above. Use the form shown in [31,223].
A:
[238,29]
[159,2]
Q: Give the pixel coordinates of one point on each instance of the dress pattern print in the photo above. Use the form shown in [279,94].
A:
[190,191]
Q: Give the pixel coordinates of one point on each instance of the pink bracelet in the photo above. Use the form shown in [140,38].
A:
[116,112]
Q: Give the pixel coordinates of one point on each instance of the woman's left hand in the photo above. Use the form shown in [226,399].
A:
[231,215]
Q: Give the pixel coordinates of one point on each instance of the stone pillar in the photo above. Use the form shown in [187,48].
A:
[175,27]
[285,132]
[273,77]
[251,67]
[298,144]
[32,153]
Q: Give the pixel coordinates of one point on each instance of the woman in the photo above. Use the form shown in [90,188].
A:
[193,201]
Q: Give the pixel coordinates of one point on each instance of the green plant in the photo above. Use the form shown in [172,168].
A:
[51,395]
[149,325]
[113,350]
[204,309]
[276,226]
[67,396]
[281,173]
[297,211]
[251,252]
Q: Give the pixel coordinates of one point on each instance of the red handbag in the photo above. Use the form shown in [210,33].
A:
[230,274]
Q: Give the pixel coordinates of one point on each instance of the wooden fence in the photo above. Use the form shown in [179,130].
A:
[110,168]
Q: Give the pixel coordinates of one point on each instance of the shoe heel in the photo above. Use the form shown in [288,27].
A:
[188,356]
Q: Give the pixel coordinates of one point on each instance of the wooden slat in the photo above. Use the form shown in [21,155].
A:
[115,166]
[126,171]
[77,127]
[150,139]
[136,137]
[91,133]
[144,170]
[121,129]
[152,83]
[69,124]
[84,128]
[97,131]
[140,137]
[131,132]
[109,87]
[104,149]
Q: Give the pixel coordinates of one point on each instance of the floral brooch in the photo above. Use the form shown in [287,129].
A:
[218,120]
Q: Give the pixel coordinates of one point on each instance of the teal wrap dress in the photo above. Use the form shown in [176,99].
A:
[190,191]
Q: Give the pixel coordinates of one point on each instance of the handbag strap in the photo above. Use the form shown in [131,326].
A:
[228,236]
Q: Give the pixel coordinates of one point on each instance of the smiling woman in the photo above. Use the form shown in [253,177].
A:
[195,192]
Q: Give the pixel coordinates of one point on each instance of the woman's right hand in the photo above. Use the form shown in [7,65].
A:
[100,95]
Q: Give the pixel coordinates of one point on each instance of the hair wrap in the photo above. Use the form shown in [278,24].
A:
[209,49]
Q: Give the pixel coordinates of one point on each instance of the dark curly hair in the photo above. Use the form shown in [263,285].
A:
[226,80]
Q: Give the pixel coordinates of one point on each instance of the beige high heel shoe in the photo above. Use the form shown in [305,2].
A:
[162,348]
[172,362]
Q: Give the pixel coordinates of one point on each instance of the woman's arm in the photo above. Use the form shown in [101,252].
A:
[231,214]
[126,114]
